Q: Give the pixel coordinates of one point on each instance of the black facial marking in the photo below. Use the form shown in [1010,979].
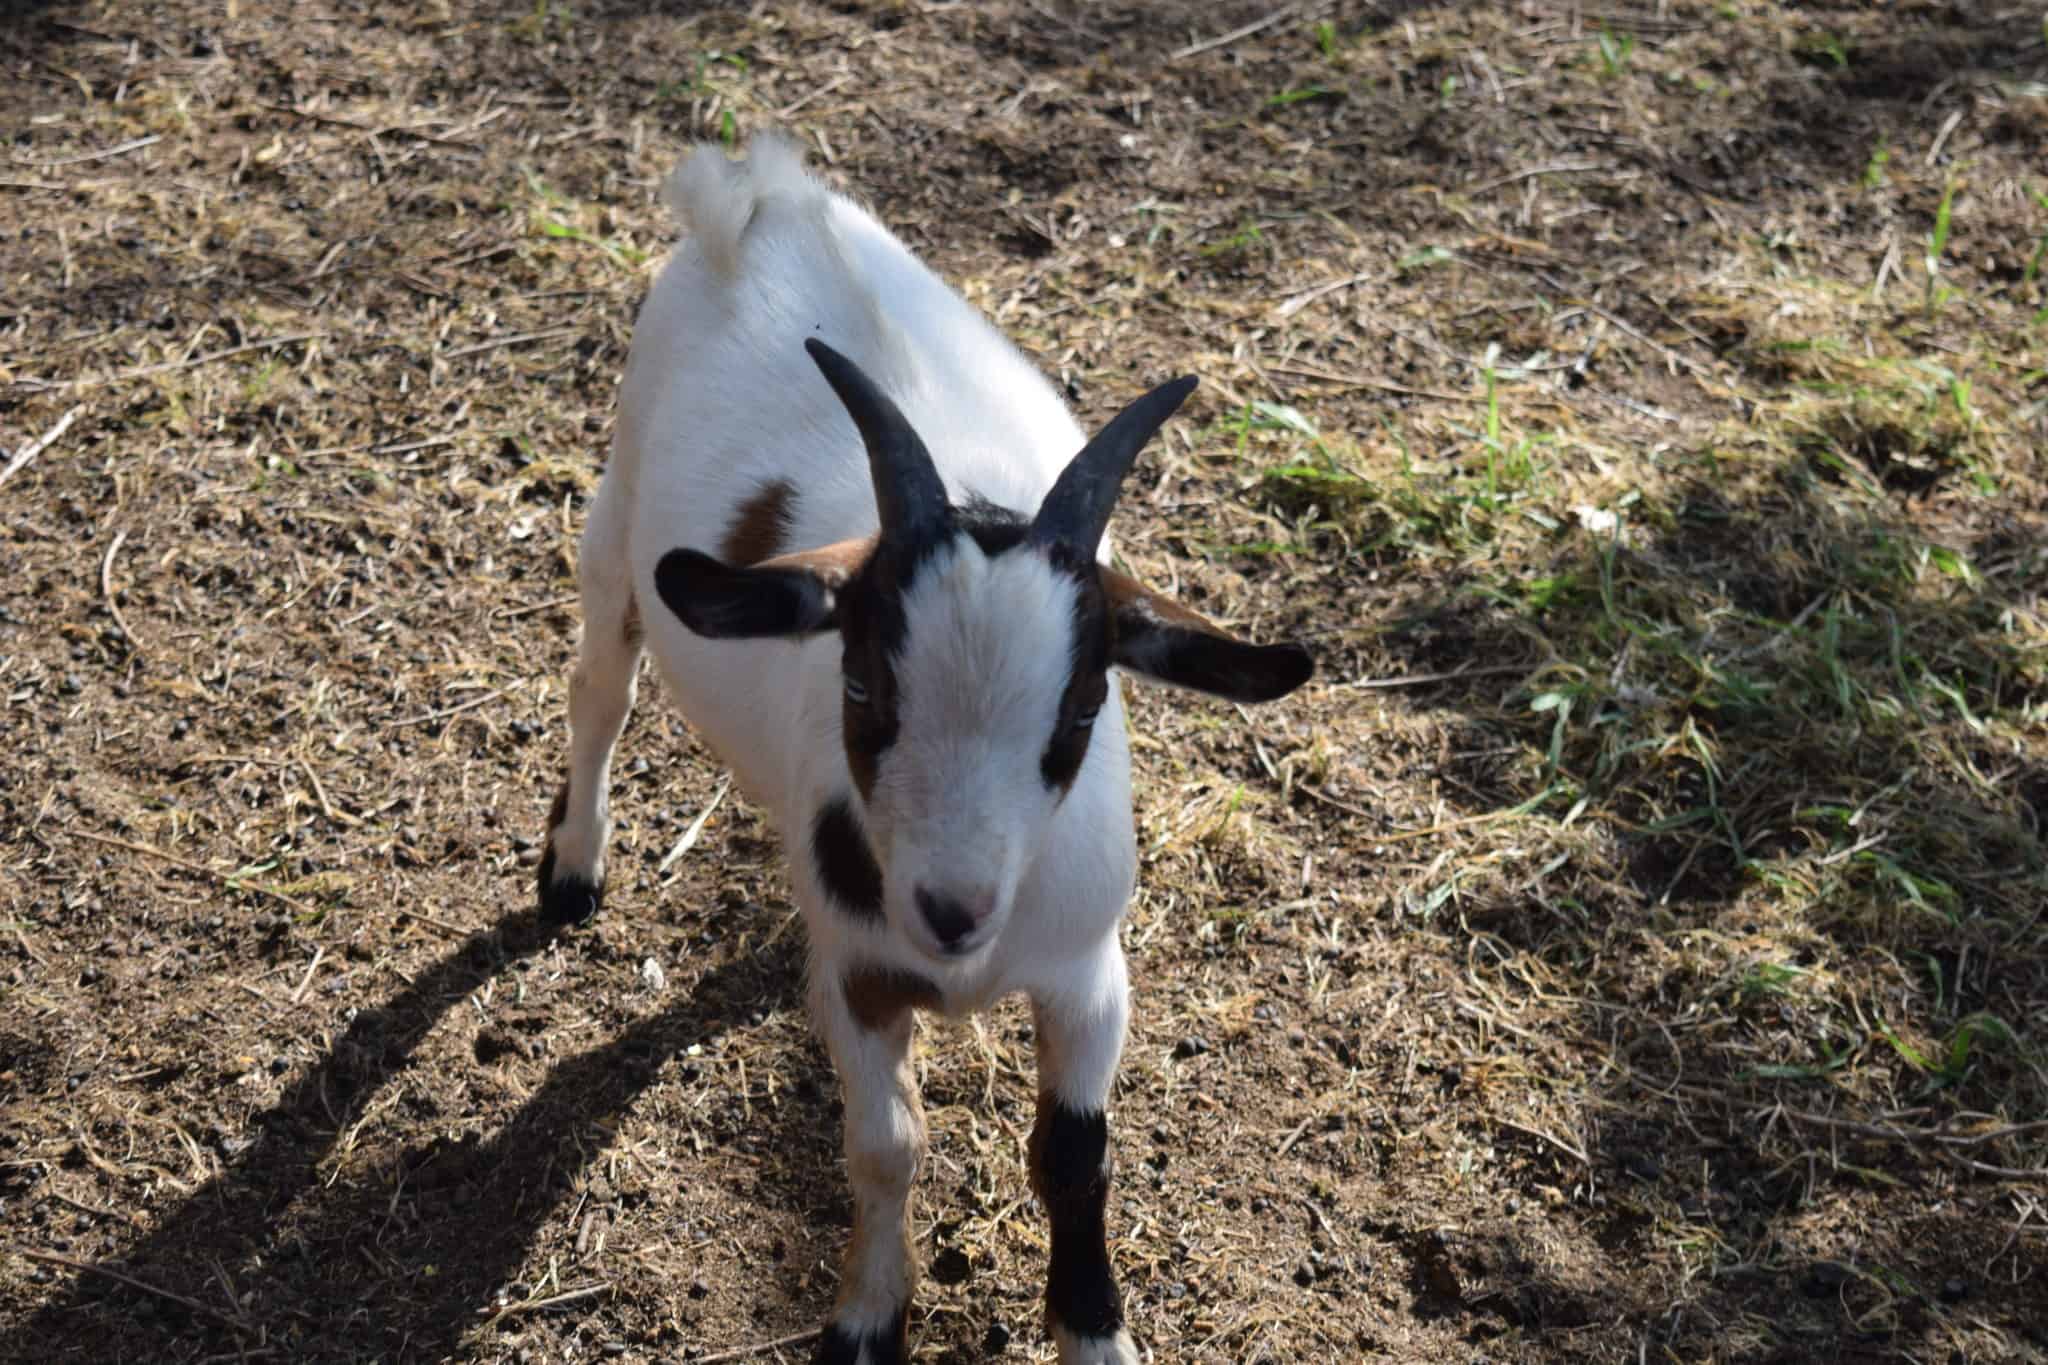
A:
[845,864]
[871,622]
[872,628]
[1070,1170]
[1087,677]
[886,1347]
[995,528]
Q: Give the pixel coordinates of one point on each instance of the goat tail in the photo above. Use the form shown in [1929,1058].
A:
[717,198]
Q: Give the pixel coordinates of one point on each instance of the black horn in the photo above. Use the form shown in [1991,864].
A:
[1076,512]
[908,492]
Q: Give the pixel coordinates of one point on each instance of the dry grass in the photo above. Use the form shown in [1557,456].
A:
[1630,948]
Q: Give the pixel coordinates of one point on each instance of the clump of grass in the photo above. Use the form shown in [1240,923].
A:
[1614,51]
[1489,486]
[560,218]
[1937,242]
[1249,239]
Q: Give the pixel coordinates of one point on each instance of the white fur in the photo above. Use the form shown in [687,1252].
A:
[1077,1350]
[719,399]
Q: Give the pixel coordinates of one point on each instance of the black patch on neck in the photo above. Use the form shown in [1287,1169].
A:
[1070,1169]
[845,864]
[887,1347]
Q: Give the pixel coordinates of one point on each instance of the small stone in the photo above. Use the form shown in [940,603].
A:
[1824,1278]
[652,976]
[997,1339]
[1954,1291]
[1194,1045]
[699,1289]
[1304,1274]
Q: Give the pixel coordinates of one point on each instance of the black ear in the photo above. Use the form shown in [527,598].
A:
[722,603]
[1204,660]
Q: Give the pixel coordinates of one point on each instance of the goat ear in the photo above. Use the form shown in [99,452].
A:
[1158,638]
[764,602]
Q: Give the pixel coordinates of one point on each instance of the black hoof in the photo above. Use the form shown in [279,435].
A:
[886,1347]
[569,902]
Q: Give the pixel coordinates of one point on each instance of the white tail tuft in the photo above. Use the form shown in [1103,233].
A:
[717,197]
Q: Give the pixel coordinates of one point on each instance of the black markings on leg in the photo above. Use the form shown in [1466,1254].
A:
[890,1346]
[570,900]
[1070,1171]
[845,864]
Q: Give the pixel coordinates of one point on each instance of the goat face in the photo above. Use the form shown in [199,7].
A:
[976,648]
[972,686]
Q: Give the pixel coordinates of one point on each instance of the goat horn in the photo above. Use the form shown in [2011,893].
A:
[909,494]
[1076,512]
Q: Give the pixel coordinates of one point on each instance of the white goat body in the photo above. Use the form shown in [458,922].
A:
[879,599]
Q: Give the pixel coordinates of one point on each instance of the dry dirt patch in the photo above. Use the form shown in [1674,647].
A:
[1630,948]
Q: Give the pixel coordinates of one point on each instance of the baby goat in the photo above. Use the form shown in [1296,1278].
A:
[903,647]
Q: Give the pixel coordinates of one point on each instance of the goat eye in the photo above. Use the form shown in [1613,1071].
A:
[856,692]
[1087,718]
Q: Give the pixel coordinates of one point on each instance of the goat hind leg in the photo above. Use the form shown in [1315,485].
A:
[601,692]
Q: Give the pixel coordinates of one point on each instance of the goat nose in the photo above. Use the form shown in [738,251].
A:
[949,917]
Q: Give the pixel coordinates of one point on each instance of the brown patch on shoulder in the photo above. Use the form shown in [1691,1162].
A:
[560,810]
[758,528]
[632,629]
[877,996]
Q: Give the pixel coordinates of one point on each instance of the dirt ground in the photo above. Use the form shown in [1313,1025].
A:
[1630,948]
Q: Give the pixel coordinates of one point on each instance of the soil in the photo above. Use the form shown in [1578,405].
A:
[326,305]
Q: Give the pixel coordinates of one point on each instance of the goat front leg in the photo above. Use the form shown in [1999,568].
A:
[866,1022]
[1080,1040]
[600,698]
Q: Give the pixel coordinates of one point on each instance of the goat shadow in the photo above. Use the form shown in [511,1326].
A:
[363,1273]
